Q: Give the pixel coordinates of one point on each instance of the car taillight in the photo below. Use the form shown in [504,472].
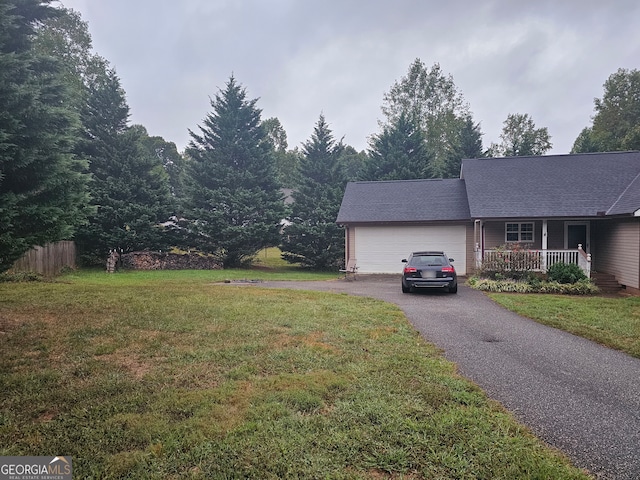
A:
[410,269]
[448,269]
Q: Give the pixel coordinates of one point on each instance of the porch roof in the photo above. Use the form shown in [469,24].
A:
[404,201]
[582,185]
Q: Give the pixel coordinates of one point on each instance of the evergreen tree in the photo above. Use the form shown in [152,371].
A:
[234,203]
[42,184]
[312,238]
[129,186]
[470,140]
[465,142]
[399,152]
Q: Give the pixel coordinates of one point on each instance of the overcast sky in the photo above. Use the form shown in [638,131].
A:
[338,57]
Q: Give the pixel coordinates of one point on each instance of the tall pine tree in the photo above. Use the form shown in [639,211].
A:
[234,205]
[43,194]
[312,238]
[399,152]
[129,185]
[467,143]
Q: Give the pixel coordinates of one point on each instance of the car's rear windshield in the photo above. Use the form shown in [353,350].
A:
[429,260]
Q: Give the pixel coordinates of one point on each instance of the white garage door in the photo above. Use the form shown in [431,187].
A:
[381,249]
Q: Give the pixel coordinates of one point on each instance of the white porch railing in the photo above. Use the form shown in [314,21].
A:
[533,260]
[584,261]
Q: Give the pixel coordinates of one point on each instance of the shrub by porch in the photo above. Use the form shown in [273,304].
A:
[522,270]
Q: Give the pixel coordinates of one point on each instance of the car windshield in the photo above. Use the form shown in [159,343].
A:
[429,260]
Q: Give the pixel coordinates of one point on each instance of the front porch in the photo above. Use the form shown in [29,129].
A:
[531,260]
[532,245]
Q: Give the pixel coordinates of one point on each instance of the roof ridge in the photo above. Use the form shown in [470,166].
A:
[405,181]
[553,155]
[623,193]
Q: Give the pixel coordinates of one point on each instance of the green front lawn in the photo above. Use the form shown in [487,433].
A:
[172,375]
[614,322]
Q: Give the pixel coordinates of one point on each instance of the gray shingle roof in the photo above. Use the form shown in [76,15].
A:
[581,185]
[629,201]
[404,201]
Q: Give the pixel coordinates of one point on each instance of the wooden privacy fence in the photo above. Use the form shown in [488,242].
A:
[48,260]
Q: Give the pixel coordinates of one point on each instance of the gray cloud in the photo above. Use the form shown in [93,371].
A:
[548,59]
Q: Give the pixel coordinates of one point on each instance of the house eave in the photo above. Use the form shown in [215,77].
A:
[599,216]
[400,223]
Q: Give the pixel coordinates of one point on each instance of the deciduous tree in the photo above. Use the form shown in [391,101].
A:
[520,137]
[616,124]
[354,162]
[287,161]
[431,99]
[65,37]
[173,162]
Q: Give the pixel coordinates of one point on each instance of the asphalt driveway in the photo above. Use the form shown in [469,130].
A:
[576,395]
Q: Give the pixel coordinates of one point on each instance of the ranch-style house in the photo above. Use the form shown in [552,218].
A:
[581,208]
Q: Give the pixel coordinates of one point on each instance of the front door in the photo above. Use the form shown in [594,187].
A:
[576,233]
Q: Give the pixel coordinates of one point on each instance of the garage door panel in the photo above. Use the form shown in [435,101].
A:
[381,249]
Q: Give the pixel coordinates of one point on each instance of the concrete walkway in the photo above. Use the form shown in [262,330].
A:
[576,395]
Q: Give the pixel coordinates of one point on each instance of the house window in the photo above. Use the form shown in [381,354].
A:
[519,232]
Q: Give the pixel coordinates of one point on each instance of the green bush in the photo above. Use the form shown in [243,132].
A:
[516,261]
[565,273]
[518,275]
[534,281]
[20,277]
[534,285]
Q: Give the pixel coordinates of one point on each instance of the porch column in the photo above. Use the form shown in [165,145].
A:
[347,244]
[544,245]
[478,244]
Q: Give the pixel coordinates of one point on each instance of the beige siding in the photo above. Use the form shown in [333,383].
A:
[555,235]
[618,250]
[495,236]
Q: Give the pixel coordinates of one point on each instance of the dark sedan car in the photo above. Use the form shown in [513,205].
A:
[429,270]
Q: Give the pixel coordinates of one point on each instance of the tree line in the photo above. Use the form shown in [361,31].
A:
[72,166]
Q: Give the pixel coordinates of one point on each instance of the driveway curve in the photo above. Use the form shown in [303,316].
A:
[576,395]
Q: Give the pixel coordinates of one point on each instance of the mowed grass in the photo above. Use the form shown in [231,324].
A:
[170,375]
[614,322]
[272,258]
